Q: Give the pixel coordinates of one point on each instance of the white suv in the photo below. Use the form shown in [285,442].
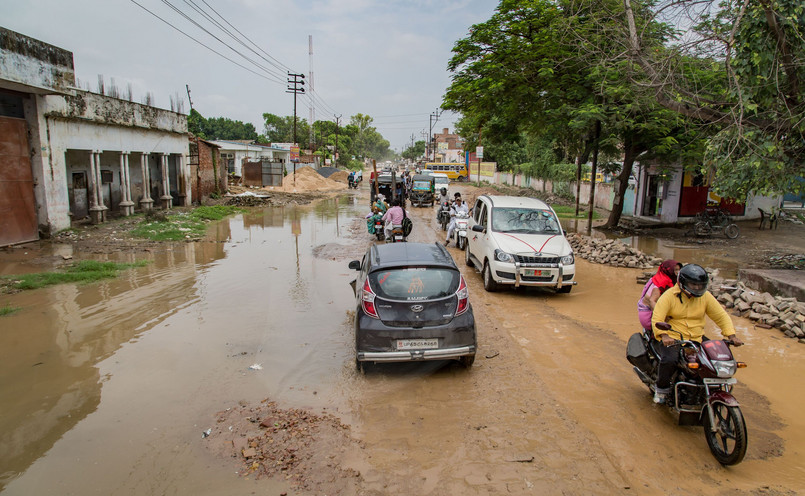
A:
[518,241]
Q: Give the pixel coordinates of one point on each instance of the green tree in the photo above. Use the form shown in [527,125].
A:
[280,129]
[219,128]
[414,152]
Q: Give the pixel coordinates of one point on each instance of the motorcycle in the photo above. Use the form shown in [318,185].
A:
[443,216]
[700,389]
[353,183]
[460,232]
[397,235]
[379,232]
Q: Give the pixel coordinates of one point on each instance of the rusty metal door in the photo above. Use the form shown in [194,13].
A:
[253,174]
[17,205]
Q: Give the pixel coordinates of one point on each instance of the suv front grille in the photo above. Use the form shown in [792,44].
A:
[537,260]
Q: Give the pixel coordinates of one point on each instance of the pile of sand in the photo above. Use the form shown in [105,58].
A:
[307,179]
[341,176]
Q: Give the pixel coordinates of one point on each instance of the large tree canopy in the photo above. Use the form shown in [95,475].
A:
[219,128]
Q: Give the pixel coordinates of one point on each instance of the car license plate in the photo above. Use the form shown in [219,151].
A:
[534,272]
[417,344]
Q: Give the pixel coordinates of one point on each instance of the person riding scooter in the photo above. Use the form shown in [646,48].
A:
[458,207]
[684,307]
[394,217]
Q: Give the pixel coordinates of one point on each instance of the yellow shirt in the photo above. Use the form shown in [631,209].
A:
[686,315]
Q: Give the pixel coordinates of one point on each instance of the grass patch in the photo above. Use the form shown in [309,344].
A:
[569,212]
[85,271]
[8,310]
[182,226]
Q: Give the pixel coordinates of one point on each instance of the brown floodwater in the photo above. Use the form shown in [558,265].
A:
[107,388]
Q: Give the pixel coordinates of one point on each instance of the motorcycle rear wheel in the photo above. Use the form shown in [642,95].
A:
[732,231]
[728,442]
[701,228]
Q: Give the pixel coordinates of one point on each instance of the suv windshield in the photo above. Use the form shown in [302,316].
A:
[414,283]
[519,220]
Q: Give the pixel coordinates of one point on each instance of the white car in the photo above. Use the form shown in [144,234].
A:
[441,180]
[518,241]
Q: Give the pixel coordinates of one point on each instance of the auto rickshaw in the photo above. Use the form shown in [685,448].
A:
[388,189]
[423,189]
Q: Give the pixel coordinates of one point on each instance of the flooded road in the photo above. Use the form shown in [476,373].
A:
[107,388]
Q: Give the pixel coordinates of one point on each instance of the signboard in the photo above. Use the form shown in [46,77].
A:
[295,153]
[479,152]
[441,147]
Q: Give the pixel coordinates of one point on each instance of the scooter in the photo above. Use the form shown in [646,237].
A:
[460,232]
[701,389]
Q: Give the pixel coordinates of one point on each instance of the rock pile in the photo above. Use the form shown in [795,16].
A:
[611,252]
[785,314]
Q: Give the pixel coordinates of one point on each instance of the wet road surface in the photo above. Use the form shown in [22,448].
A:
[107,388]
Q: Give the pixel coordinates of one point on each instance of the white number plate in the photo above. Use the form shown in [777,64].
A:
[417,344]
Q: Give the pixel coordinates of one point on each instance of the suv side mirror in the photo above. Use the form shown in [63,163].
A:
[479,228]
[355,265]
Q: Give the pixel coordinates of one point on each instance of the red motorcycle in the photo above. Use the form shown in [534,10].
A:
[701,389]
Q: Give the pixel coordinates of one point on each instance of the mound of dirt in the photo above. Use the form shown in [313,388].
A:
[340,176]
[307,179]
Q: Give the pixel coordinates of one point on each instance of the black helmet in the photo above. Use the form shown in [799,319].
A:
[444,191]
[693,279]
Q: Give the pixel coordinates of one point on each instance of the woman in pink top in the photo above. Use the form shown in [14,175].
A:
[664,279]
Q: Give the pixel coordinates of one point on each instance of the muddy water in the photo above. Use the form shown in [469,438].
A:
[107,388]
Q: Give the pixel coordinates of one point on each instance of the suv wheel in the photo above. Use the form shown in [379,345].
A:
[467,360]
[489,284]
[467,259]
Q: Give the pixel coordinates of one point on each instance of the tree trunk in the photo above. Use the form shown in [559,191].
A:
[623,183]
[591,210]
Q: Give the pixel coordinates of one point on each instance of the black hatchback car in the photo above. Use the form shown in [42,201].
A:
[412,304]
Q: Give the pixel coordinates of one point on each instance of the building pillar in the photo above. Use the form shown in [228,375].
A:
[146,203]
[126,206]
[166,199]
[182,178]
[97,211]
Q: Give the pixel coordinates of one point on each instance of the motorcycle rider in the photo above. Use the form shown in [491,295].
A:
[443,198]
[684,307]
[393,217]
[351,178]
[458,207]
[659,283]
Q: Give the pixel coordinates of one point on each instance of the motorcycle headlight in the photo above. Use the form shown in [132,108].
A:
[568,259]
[502,256]
[725,368]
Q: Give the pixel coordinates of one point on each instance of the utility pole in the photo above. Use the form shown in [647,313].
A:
[188,96]
[297,85]
[433,119]
[310,86]
[335,156]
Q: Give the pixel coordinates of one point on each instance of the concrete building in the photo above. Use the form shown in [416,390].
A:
[207,171]
[237,153]
[448,147]
[67,154]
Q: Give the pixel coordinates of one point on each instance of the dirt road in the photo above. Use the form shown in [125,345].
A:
[108,388]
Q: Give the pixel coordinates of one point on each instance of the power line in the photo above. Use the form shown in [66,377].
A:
[207,47]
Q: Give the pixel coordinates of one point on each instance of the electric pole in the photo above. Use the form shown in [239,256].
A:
[188,96]
[335,155]
[296,86]
[433,119]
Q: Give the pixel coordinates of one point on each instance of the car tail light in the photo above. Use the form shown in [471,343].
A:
[368,300]
[463,297]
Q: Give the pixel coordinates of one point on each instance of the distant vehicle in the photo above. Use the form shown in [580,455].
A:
[412,304]
[441,179]
[456,171]
[518,241]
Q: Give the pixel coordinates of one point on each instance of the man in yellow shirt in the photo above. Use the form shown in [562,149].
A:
[684,307]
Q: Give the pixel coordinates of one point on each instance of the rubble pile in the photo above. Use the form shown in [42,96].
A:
[307,180]
[610,252]
[785,314]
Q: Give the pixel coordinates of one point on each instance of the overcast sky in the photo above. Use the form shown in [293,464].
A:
[384,58]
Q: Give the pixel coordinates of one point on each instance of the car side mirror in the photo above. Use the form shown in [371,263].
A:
[355,265]
[479,228]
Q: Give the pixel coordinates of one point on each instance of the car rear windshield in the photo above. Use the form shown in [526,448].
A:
[524,220]
[422,184]
[414,283]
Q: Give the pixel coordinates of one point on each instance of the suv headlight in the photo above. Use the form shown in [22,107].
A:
[502,256]
[568,259]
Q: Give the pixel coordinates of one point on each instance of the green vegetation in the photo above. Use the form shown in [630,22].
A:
[181,226]
[8,310]
[85,271]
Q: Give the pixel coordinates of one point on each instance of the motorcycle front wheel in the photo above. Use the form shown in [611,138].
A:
[732,231]
[727,439]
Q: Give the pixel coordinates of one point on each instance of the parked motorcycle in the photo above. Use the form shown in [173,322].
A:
[443,216]
[460,232]
[700,389]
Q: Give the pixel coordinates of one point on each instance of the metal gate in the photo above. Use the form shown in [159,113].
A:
[262,174]
[17,204]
